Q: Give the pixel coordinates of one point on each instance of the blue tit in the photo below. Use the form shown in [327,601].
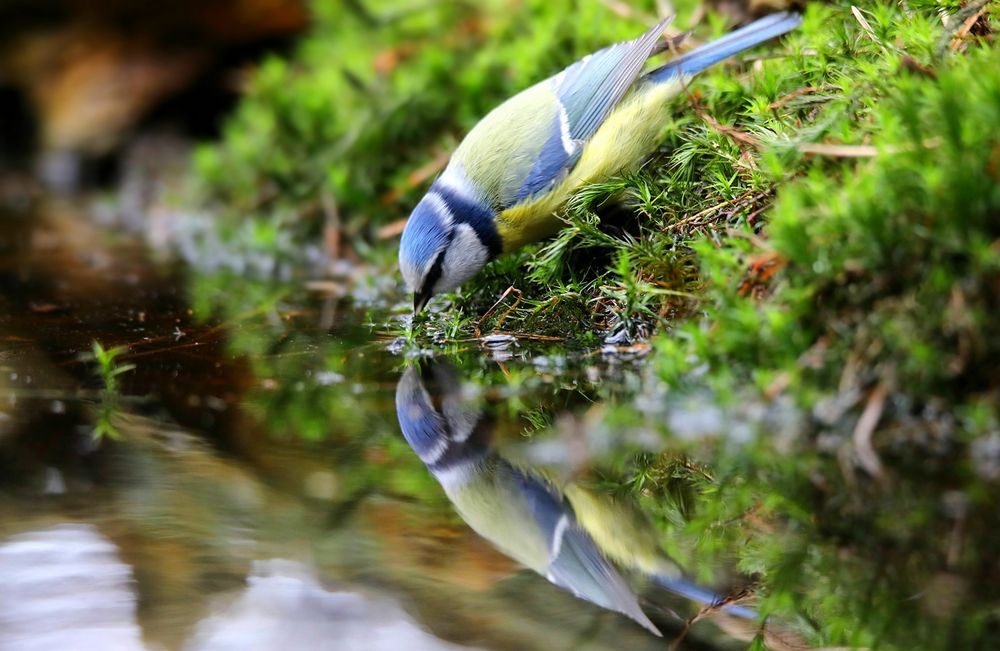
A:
[507,180]
[567,536]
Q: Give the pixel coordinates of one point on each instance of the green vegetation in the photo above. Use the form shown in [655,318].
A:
[878,324]
[307,149]
[814,249]
[108,369]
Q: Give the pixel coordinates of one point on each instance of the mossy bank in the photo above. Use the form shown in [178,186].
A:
[817,235]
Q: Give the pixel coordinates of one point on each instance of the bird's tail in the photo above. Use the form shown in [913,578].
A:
[701,595]
[733,43]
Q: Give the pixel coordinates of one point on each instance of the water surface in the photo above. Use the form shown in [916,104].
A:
[256,490]
[279,469]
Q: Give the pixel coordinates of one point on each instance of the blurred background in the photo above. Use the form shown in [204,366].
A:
[82,81]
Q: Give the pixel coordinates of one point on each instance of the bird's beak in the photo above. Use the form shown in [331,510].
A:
[420,299]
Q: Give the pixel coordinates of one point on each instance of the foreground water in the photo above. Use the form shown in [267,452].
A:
[252,488]
[270,472]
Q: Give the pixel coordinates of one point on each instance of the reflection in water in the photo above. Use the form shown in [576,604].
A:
[259,433]
[243,438]
[66,588]
[284,606]
[566,535]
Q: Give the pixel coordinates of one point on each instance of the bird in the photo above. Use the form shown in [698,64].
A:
[506,181]
[566,534]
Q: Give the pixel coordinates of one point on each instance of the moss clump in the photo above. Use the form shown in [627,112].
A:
[346,134]
[869,301]
[884,275]
[806,108]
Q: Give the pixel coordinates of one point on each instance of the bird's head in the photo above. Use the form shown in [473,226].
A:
[448,239]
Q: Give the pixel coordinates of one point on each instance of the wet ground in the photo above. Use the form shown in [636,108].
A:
[258,468]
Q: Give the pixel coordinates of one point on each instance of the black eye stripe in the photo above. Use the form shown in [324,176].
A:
[434,273]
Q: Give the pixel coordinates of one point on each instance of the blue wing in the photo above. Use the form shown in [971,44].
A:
[732,43]
[582,569]
[585,93]
[575,562]
[594,85]
[528,144]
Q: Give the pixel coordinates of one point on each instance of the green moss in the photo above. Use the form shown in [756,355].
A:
[889,267]
[348,132]
[780,269]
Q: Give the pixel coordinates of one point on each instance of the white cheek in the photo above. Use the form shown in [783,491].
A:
[410,273]
[465,257]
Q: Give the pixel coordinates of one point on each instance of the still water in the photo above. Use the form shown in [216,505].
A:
[272,481]
[275,474]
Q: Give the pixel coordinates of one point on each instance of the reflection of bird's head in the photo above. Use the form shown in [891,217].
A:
[517,510]
[440,423]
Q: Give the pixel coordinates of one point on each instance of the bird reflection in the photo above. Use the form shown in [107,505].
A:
[566,535]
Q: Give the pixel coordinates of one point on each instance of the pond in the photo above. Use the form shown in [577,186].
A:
[258,468]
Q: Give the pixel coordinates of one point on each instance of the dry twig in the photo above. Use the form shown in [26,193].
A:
[507,292]
[838,151]
[866,27]
[390,230]
[808,90]
[863,431]
[966,27]
[956,25]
